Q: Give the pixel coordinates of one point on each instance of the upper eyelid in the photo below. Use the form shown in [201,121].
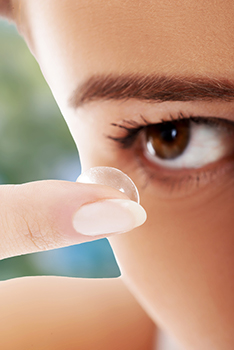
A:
[134,127]
[126,140]
[133,124]
[212,120]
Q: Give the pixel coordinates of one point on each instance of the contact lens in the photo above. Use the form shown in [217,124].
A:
[112,177]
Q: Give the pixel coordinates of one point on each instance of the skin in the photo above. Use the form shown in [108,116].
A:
[179,264]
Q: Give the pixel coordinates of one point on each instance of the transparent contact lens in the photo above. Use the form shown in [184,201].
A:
[112,177]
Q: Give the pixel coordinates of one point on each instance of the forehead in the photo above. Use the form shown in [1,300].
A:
[83,37]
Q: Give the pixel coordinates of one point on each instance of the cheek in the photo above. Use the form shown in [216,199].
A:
[186,245]
[181,261]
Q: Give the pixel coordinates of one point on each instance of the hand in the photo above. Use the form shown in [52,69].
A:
[45,215]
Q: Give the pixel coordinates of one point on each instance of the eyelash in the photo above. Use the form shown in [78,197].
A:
[132,130]
[135,127]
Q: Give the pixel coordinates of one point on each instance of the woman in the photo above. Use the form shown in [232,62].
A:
[146,87]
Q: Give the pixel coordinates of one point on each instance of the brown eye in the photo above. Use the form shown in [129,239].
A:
[168,140]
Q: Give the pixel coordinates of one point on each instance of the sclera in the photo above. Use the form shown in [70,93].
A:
[112,177]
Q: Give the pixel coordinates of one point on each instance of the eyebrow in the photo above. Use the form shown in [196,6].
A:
[152,88]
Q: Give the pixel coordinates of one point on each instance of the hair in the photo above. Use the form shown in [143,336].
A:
[6,9]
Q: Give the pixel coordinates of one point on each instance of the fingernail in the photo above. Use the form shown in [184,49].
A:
[108,216]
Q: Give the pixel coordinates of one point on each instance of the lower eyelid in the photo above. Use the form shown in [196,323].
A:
[180,183]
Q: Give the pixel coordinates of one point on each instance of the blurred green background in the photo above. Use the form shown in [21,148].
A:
[35,144]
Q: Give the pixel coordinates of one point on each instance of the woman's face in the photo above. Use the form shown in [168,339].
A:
[117,65]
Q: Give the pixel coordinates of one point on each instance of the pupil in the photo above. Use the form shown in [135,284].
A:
[168,133]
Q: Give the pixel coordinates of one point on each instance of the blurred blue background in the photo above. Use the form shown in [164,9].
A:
[35,144]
